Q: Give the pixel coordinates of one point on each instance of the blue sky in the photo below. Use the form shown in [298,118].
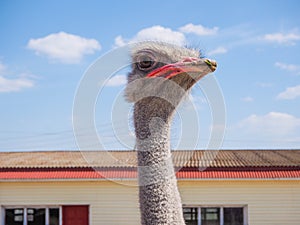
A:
[47,46]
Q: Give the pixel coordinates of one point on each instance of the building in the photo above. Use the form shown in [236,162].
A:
[226,187]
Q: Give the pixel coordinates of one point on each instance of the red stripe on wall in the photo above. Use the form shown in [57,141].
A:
[131,173]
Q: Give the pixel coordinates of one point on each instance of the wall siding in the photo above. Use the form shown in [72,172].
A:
[268,202]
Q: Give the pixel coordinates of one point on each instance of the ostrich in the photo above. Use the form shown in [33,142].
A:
[160,77]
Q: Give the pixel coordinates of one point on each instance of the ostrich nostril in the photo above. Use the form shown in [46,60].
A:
[189,59]
[211,63]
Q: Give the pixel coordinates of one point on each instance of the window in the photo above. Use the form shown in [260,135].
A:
[210,216]
[32,216]
[233,216]
[36,216]
[14,216]
[54,216]
[214,215]
[190,216]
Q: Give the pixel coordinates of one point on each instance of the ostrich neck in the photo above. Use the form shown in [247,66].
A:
[158,193]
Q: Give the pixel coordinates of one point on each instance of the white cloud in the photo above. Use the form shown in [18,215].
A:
[198,29]
[154,33]
[117,80]
[13,84]
[159,33]
[119,41]
[270,130]
[273,124]
[289,93]
[217,51]
[64,47]
[165,34]
[288,67]
[282,38]
[247,99]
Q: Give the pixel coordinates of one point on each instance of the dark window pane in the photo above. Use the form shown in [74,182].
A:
[190,216]
[210,216]
[233,216]
[54,216]
[14,216]
[36,216]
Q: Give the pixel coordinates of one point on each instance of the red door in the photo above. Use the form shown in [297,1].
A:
[75,215]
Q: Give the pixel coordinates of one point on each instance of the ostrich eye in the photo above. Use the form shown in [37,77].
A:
[145,63]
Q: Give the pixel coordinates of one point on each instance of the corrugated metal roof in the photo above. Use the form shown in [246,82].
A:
[238,158]
[182,158]
[130,173]
[67,159]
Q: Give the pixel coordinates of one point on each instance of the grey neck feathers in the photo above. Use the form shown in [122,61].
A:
[160,201]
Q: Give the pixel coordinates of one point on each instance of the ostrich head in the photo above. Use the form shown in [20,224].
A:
[152,60]
[160,76]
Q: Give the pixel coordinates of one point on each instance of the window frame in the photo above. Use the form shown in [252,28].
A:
[25,207]
[245,211]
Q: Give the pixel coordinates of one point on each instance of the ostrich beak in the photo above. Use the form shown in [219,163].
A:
[211,63]
[197,66]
